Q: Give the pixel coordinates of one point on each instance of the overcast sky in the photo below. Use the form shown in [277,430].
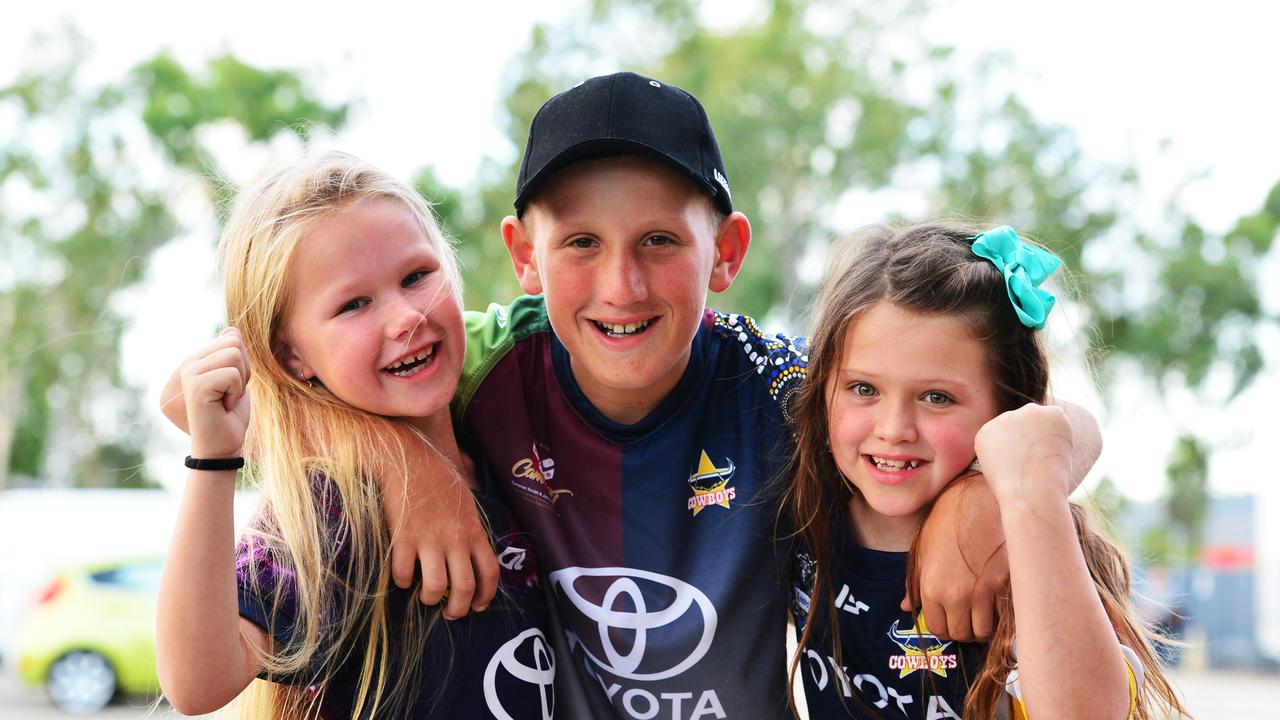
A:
[1127,76]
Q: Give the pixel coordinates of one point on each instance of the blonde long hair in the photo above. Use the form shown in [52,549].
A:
[931,269]
[316,460]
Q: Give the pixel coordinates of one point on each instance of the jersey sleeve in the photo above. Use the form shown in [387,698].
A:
[1133,668]
[267,584]
[490,335]
[267,593]
[780,360]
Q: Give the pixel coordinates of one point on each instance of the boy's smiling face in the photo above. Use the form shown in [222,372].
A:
[624,250]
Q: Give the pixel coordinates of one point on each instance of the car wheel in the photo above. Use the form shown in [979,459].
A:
[81,682]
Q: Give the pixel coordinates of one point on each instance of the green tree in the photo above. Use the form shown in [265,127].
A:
[88,175]
[1109,505]
[1187,499]
[1157,546]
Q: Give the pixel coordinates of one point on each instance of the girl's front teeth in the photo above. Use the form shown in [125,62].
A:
[894,465]
[405,367]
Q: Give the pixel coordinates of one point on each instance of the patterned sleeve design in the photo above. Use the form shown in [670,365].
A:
[781,360]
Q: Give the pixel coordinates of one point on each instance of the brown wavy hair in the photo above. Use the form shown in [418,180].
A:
[931,269]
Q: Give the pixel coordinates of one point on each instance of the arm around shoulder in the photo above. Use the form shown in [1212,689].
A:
[434,522]
[961,562]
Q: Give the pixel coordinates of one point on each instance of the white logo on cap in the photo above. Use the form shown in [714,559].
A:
[627,582]
[655,83]
[542,673]
[724,183]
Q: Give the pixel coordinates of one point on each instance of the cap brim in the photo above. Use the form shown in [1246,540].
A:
[610,147]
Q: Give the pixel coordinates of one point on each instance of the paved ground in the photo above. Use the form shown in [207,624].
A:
[1231,696]
[1210,696]
[21,702]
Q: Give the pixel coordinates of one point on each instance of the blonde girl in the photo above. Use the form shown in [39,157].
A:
[926,362]
[343,311]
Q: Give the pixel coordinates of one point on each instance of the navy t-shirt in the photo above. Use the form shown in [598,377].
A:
[494,664]
[890,666]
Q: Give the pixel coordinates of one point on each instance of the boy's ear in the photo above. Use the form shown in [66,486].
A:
[732,241]
[515,233]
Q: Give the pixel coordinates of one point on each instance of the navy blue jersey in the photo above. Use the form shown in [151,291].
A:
[495,664]
[667,588]
[890,666]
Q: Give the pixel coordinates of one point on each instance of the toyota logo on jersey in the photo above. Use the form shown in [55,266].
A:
[629,612]
[525,658]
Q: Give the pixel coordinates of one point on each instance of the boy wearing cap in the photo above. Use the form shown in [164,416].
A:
[631,430]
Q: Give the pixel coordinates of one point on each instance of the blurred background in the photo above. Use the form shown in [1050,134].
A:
[1135,139]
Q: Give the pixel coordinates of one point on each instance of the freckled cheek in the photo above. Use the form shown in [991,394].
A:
[555,275]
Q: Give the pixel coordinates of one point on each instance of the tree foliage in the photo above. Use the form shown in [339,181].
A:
[1187,502]
[88,179]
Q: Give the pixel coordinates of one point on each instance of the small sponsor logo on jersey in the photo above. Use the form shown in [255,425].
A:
[921,650]
[518,564]
[802,587]
[828,673]
[533,477]
[512,558]
[710,485]
[848,603]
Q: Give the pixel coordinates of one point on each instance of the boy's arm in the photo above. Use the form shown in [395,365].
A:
[433,521]
[1070,664]
[962,561]
[431,516]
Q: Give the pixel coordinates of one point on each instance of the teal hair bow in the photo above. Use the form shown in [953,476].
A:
[1024,268]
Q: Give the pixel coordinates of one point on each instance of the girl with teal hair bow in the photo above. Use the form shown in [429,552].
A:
[926,363]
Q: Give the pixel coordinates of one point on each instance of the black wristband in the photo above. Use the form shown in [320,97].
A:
[234,463]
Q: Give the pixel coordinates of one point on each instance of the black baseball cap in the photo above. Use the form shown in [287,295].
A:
[624,113]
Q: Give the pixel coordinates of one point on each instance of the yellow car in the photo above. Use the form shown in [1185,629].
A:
[91,635]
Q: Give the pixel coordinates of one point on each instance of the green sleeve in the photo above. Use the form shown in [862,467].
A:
[490,335]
